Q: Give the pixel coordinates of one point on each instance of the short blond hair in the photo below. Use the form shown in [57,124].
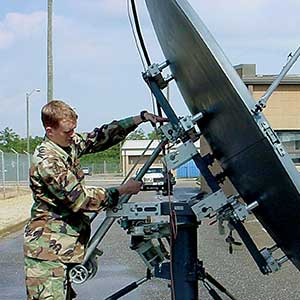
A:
[55,111]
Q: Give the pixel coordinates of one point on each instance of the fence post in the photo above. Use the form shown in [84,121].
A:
[18,170]
[104,167]
[28,158]
[3,172]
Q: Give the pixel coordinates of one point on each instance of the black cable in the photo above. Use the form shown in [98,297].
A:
[134,36]
[139,33]
[159,112]
[142,43]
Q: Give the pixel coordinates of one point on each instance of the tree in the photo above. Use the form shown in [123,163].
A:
[138,134]
[155,135]
[34,142]
[9,139]
[7,135]
[111,155]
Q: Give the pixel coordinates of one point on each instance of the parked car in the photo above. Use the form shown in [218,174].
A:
[156,178]
[87,171]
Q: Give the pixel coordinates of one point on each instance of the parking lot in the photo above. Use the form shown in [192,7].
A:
[120,266]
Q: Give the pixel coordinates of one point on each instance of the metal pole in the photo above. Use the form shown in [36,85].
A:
[161,99]
[108,221]
[184,259]
[263,100]
[168,93]
[18,171]
[3,172]
[27,119]
[28,159]
[49,54]
[27,122]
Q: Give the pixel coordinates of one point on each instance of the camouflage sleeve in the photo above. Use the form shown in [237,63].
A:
[66,187]
[104,137]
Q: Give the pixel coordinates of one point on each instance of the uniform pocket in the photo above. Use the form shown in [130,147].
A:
[63,239]
[62,227]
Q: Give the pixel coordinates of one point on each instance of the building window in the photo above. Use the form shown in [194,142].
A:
[291,139]
[291,142]
[296,160]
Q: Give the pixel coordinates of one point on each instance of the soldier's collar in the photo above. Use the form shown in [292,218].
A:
[57,148]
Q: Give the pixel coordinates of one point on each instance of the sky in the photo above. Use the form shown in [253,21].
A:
[97,69]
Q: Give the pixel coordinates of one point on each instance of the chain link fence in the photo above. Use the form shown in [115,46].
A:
[104,168]
[14,171]
[14,168]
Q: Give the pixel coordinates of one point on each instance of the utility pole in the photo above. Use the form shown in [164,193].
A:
[29,160]
[28,118]
[49,54]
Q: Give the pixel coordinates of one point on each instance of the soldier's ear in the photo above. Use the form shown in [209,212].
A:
[49,131]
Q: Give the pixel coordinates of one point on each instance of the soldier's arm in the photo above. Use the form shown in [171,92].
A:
[104,137]
[111,134]
[70,190]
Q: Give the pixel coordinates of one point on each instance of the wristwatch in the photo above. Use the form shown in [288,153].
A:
[142,115]
[113,197]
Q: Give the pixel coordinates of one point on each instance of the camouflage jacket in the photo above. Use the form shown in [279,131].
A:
[58,228]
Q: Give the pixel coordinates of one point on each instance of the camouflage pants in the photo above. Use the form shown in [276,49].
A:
[47,280]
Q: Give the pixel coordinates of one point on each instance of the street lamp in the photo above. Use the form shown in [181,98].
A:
[27,116]
[3,172]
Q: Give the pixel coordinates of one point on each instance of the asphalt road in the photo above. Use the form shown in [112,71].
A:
[120,266]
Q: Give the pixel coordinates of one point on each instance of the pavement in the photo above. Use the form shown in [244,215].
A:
[15,211]
[16,205]
[119,265]
[15,208]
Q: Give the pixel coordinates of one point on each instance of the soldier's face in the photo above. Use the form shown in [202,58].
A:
[63,134]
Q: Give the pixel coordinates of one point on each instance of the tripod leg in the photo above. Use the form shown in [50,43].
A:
[127,289]
[211,291]
[218,285]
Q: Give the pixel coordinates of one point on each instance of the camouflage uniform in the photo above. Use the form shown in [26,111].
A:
[58,231]
[46,279]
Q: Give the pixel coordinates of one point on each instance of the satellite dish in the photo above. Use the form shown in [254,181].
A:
[247,148]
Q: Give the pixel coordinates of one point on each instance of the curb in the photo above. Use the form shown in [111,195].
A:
[12,228]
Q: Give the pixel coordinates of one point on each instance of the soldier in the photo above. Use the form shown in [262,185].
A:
[58,230]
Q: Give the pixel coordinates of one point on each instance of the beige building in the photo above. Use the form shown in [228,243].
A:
[283,107]
[283,113]
[132,151]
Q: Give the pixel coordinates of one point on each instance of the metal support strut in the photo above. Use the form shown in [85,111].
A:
[80,273]
[182,267]
[262,102]
[129,288]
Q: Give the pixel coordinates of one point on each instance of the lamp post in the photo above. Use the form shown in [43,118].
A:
[3,172]
[27,117]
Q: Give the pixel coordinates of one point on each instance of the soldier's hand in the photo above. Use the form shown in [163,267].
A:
[146,116]
[130,187]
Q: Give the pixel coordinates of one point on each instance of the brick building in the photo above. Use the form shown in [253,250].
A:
[283,108]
